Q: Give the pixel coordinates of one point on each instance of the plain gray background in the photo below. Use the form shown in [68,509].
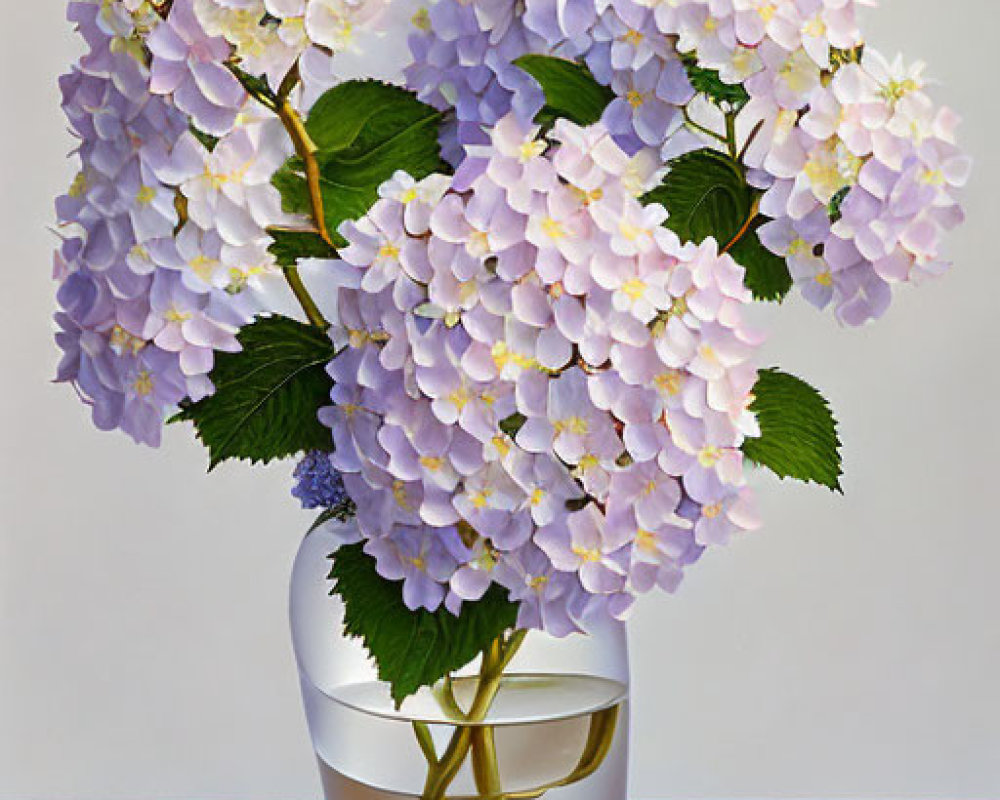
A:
[851,649]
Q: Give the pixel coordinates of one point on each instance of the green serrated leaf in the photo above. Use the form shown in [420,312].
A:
[571,91]
[360,115]
[709,83]
[266,396]
[366,131]
[767,274]
[798,431]
[706,195]
[413,649]
[289,247]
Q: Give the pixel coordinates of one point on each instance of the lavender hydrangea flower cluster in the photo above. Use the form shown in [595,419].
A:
[541,387]
[165,250]
[136,339]
[542,380]
[464,53]
[861,199]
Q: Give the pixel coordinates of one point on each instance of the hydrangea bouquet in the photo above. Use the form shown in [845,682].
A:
[499,312]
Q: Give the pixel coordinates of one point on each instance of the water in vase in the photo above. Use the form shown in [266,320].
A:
[554,736]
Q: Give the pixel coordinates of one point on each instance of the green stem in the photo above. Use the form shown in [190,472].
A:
[731,134]
[495,659]
[691,123]
[423,734]
[485,765]
[306,150]
[313,313]
[446,699]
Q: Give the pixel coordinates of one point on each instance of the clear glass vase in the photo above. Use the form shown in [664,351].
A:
[553,722]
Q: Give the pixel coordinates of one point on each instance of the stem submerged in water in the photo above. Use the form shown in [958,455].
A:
[470,733]
[471,736]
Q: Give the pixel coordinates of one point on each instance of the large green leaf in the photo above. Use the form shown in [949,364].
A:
[767,275]
[571,91]
[356,117]
[413,648]
[365,132]
[798,431]
[267,395]
[706,195]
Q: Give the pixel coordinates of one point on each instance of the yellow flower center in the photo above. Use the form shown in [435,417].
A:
[709,456]
[634,288]
[635,98]
[124,342]
[815,27]
[143,384]
[530,150]
[553,228]
[421,20]
[586,198]
[433,463]
[798,247]
[669,382]
[503,356]
[174,315]
[479,242]
[645,540]
[399,495]
[707,352]
[575,425]
[481,499]
[460,398]
[933,177]
[145,195]
[629,231]
[203,267]
[389,251]
[897,90]
[588,555]
[418,562]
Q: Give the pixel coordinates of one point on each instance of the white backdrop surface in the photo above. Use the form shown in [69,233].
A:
[849,650]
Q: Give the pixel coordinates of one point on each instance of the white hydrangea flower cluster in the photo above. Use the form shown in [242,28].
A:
[866,185]
[537,372]
[269,37]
